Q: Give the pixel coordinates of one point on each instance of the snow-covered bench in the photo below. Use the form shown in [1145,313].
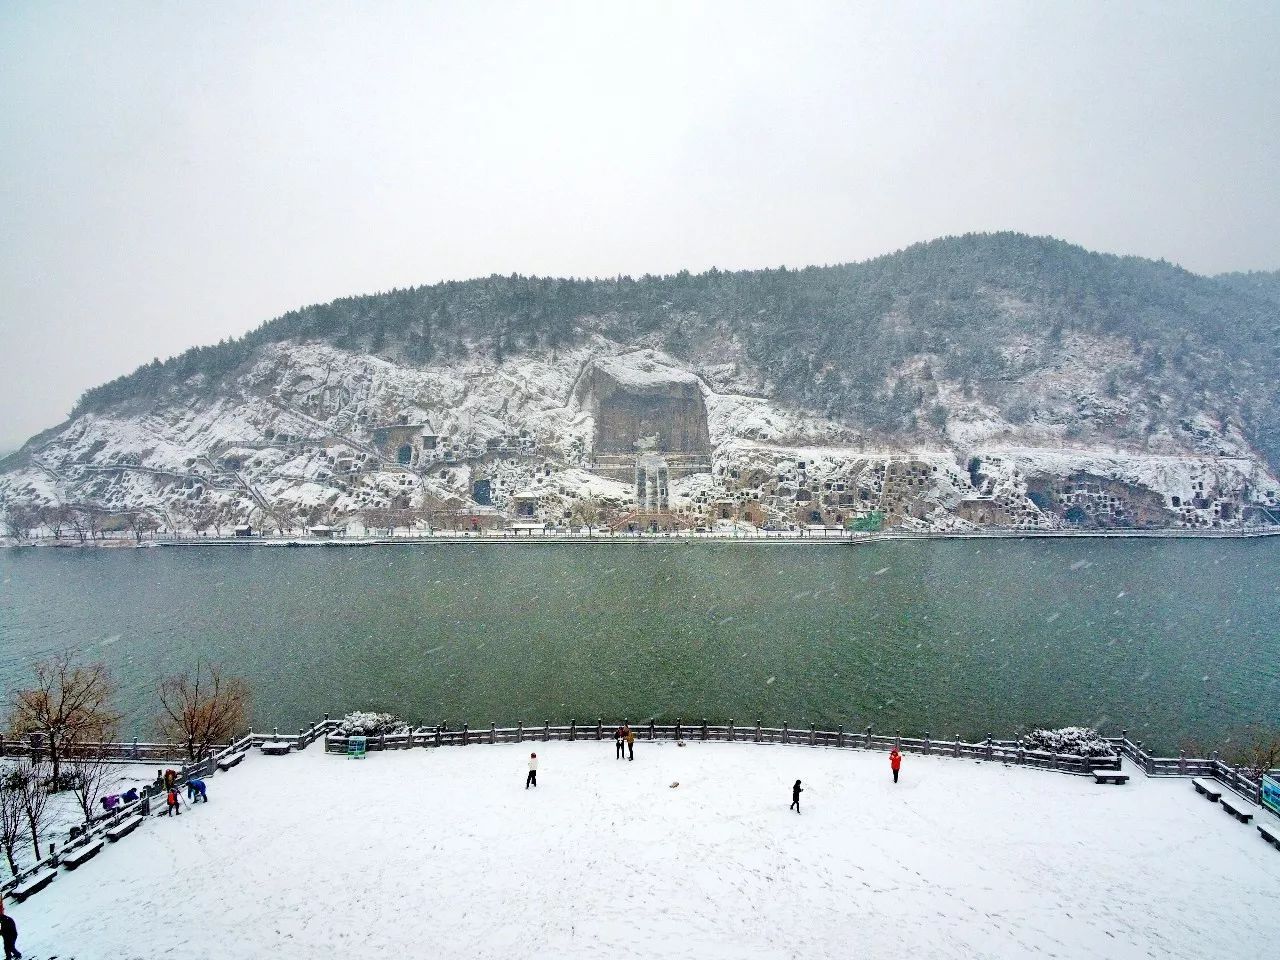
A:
[87,852]
[1270,834]
[33,884]
[1110,776]
[124,828]
[1237,808]
[226,763]
[276,748]
[1207,788]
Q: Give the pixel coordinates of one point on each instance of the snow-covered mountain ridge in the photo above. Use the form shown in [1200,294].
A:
[978,381]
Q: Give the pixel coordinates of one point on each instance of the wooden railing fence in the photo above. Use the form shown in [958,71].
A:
[1184,766]
[1005,751]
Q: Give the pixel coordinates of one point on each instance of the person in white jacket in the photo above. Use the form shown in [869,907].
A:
[532,779]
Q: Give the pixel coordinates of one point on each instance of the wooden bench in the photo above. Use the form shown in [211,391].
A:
[1270,834]
[33,884]
[226,763]
[1207,788]
[1110,776]
[125,828]
[87,852]
[1237,808]
[276,748]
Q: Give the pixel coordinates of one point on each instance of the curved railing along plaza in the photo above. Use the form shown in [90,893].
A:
[1010,752]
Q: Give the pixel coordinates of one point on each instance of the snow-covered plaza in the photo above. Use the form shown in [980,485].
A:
[444,853]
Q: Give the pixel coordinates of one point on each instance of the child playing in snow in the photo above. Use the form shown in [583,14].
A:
[532,779]
[172,807]
[895,762]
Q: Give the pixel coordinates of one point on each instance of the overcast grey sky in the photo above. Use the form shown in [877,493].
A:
[171,174]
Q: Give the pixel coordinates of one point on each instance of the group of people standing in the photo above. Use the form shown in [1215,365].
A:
[895,765]
[167,780]
[624,738]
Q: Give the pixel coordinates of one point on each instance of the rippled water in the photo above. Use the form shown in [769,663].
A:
[1175,639]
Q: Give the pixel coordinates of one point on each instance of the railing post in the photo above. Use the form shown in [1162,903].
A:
[867,737]
[955,750]
[840,735]
[439,736]
[466,733]
[1182,761]
[990,748]
[731,729]
[897,739]
[546,730]
[519,731]
[1022,754]
[599,728]
[493,733]
[927,744]
[653,734]
[704,728]
[813,732]
[573,729]
[678,737]
[302,738]
[786,732]
[759,734]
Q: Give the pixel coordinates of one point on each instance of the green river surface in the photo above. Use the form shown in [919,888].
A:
[1176,640]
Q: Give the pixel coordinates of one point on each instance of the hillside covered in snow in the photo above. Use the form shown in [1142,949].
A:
[984,380]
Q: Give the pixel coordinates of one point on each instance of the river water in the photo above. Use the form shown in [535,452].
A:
[1177,640]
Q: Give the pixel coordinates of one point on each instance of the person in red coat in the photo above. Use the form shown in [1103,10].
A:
[895,763]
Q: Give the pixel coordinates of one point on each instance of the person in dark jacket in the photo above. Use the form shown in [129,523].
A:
[619,739]
[9,933]
[795,797]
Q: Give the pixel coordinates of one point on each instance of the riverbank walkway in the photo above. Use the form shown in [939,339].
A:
[689,851]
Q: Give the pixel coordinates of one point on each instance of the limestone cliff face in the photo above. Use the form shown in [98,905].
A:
[311,433]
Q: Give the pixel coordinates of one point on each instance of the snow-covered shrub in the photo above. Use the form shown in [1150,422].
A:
[362,724]
[1072,741]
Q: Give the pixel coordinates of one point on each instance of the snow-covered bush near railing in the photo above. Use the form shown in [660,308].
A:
[1072,741]
[367,724]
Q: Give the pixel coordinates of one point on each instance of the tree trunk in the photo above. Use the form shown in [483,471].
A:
[55,764]
[13,864]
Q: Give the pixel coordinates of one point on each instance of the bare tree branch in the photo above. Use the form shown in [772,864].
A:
[203,708]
